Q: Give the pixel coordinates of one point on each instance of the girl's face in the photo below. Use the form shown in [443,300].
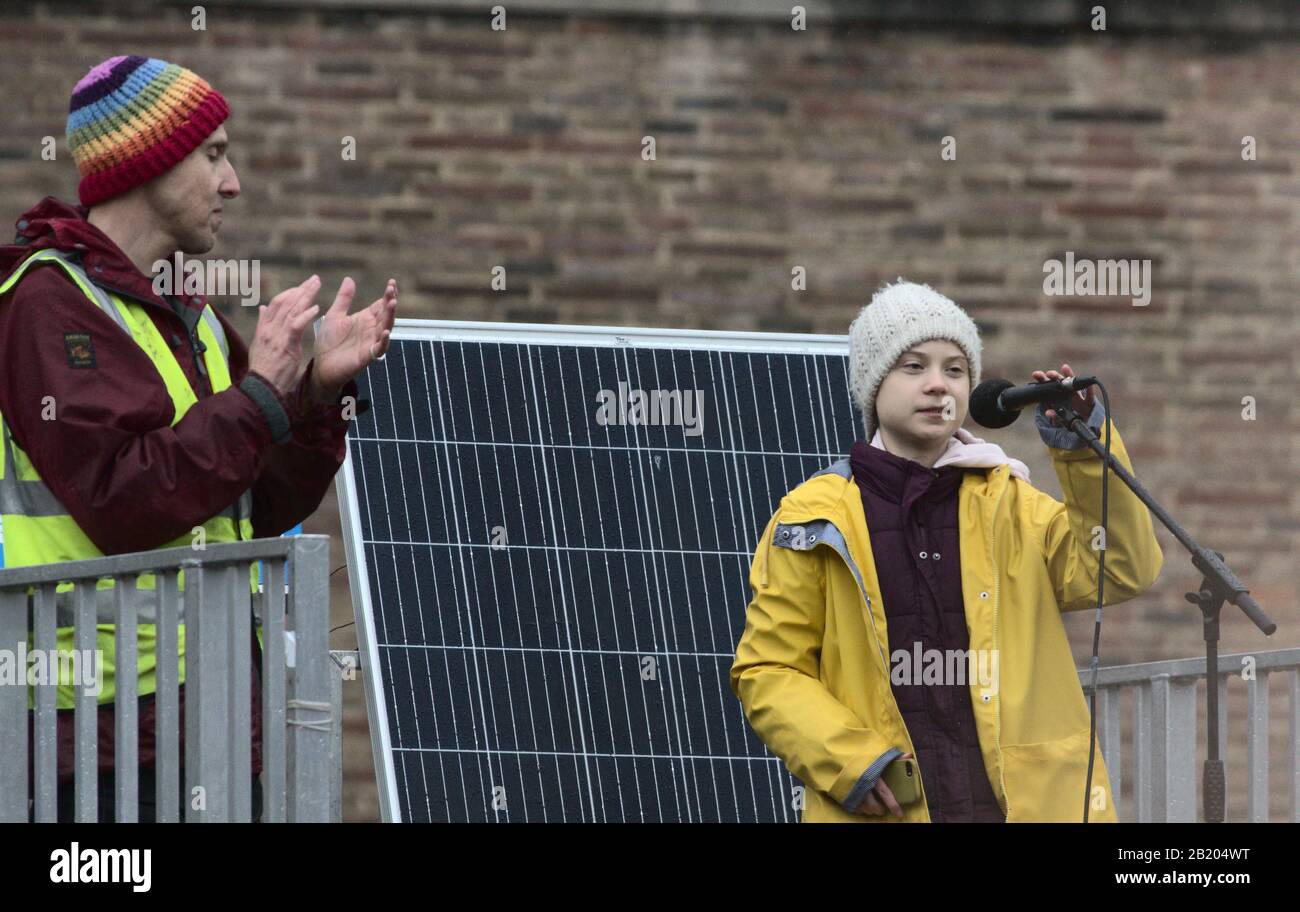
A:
[934,375]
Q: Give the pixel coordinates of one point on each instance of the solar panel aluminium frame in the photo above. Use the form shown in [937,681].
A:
[413,330]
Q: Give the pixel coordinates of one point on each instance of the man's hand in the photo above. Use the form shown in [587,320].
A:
[347,343]
[881,798]
[277,342]
[1082,401]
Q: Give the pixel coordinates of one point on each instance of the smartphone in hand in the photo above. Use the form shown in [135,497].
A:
[903,781]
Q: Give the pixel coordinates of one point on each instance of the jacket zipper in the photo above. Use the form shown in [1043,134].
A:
[997,709]
[205,383]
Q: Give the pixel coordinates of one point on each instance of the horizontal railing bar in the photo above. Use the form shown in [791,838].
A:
[213,555]
[1273,660]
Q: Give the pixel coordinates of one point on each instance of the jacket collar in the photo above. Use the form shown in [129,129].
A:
[898,479]
[53,223]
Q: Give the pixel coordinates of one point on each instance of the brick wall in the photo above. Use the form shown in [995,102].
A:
[779,148]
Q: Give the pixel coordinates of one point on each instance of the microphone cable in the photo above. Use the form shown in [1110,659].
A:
[1096,630]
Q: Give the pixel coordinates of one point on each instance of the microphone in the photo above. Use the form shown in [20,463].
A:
[997,403]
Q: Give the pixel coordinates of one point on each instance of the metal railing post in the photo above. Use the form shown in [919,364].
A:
[13,713]
[1293,743]
[126,744]
[45,761]
[167,761]
[274,674]
[239,733]
[309,716]
[86,716]
[345,662]
[1257,745]
[207,669]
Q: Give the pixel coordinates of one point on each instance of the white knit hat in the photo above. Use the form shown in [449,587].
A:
[899,318]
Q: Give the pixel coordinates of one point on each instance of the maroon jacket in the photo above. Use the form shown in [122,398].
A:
[128,477]
[912,520]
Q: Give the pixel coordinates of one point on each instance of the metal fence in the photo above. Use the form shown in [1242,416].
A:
[1168,745]
[300,688]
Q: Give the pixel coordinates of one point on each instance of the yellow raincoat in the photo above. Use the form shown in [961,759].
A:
[810,668]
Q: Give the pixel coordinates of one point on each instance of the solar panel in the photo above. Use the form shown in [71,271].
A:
[549,531]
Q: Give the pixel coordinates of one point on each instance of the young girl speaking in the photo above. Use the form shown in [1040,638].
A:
[927,542]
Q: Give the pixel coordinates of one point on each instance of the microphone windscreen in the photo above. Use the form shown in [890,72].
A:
[984,408]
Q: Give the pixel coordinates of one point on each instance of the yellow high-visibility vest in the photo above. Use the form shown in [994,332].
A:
[38,528]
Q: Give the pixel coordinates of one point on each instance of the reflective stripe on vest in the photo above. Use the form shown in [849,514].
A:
[38,528]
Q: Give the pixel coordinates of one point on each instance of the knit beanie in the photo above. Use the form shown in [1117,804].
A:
[132,118]
[899,318]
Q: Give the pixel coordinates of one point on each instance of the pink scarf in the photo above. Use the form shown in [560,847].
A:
[965,449]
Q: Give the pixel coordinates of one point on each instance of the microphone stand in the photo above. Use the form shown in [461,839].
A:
[1218,584]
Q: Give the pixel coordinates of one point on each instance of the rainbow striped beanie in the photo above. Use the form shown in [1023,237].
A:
[132,118]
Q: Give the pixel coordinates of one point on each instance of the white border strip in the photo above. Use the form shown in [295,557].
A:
[407,330]
[381,745]
[619,337]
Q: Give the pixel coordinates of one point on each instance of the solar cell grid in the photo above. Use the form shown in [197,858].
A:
[549,590]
